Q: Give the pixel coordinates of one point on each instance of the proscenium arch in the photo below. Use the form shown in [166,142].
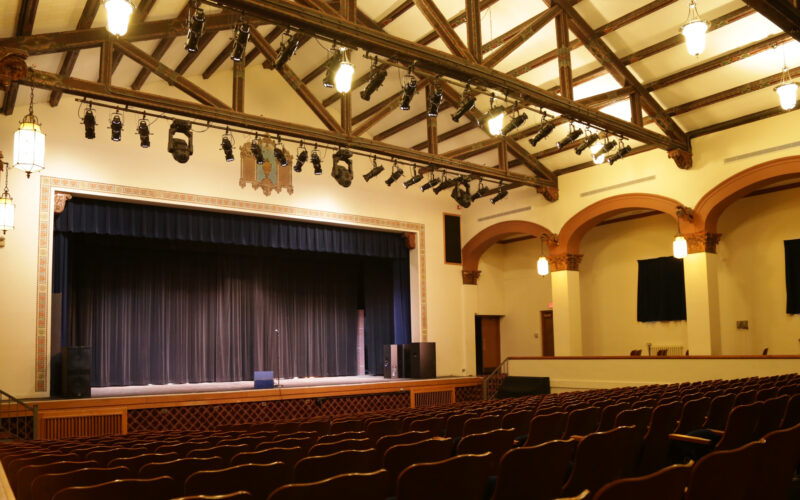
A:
[713,203]
[472,251]
[571,234]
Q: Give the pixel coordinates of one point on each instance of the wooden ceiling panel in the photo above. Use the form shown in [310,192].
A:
[729,109]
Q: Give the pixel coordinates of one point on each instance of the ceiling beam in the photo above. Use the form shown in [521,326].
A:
[533,164]
[432,121]
[785,14]
[442,28]
[347,9]
[473,12]
[590,163]
[564,59]
[237,99]
[167,74]
[88,14]
[25,18]
[441,63]
[741,120]
[532,26]
[138,16]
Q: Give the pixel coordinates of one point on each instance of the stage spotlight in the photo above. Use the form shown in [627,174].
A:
[545,130]
[287,50]
[432,183]
[515,123]
[417,177]
[376,77]
[343,173]
[316,161]
[258,153]
[197,25]
[116,127]
[331,67]
[376,170]
[591,139]
[240,36]
[227,146]
[573,134]
[409,88]
[445,184]
[435,101]
[599,156]
[397,172]
[302,158]
[89,123]
[344,73]
[500,195]
[279,154]
[144,133]
[180,148]
[493,119]
[465,104]
[461,193]
[621,151]
[482,190]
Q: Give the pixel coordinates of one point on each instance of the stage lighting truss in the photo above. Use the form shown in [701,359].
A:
[279,154]
[622,150]
[89,123]
[240,37]
[516,121]
[445,184]
[375,171]
[116,126]
[465,104]
[587,142]
[227,145]
[302,158]
[433,181]
[573,134]
[435,100]
[376,77]
[502,193]
[143,129]
[599,156]
[196,29]
[461,192]
[343,173]
[287,50]
[481,192]
[409,89]
[417,177]
[397,172]
[493,119]
[255,148]
[316,161]
[545,129]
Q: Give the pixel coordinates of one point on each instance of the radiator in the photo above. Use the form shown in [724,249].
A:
[672,350]
[432,398]
[82,424]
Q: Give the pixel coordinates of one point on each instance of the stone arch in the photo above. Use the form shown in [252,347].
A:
[713,203]
[475,247]
[571,234]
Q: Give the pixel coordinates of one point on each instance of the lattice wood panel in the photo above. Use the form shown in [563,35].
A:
[468,393]
[433,398]
[96,423]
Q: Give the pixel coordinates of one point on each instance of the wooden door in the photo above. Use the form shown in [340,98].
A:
[547,333]
[490,343]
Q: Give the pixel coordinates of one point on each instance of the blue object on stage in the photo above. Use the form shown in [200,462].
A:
[264,380]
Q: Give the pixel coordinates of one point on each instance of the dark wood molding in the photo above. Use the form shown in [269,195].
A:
[785,14]
[442,28]
[473,13]
[564,60]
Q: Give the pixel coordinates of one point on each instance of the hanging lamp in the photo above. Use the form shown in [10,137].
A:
[542,265]
[6,203]
[787,89]
[118,15]
[29,143]
[694,31]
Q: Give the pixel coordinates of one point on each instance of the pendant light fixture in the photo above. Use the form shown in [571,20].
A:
[344,75]
[679,247]
[118,15]
[29,143]
[542,264]
[6,203]
[694,31]
[787,89]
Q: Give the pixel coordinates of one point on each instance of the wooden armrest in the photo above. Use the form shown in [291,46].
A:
[689,439]
[577,438]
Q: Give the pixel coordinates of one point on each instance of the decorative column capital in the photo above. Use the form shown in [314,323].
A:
[410,240]
[470,277]
[550,193]
[702,242]
[60,202]
[566,262]
[681,157]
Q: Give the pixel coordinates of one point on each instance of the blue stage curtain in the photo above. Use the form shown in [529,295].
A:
[402,301]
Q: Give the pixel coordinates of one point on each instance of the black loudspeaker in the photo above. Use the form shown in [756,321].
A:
[76,372]
[513,387]
[419,360]
[390,361]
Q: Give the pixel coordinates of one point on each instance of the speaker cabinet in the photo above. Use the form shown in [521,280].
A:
[390,361]
[263,380]
[419,360]
[76,372]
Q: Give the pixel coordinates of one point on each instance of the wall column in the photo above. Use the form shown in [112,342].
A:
[702,295]
[469,307]
[566,285]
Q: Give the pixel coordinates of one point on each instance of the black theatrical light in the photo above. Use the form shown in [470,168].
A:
[240,36]
[544,131]
[144,133]
[573,134]
[600,155]
[279,154]
[227,146]
[590,139]
[180,148]
[331,67]
[417,177]
[493,119]
[515,123]
[287,50]
[481,192]
[445,184]
[432,182]
[376,170]
[621,151]
[116,127]
[302,158]
[343,173]
[376,77]
[409,88]
[461,194]
[437,96]
[255,148]
[500,195]
[465,104]
[197,25]
[89,123]
[397,172]
[316,161]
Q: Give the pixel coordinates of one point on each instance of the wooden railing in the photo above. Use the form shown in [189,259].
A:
[18,420]
[493,381]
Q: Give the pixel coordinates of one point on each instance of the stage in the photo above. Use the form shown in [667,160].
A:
[119,410]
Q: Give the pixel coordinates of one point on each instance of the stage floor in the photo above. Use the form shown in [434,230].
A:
[143,390]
